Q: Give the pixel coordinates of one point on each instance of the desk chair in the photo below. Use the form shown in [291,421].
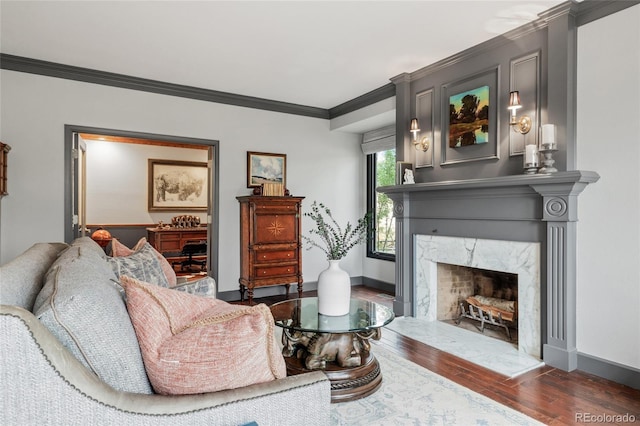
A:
[190,249]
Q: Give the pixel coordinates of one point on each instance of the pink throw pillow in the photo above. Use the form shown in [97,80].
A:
[194,344]
[120,250]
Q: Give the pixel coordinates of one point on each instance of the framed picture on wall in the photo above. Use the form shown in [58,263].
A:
[177,185]
[469,118]
[263,167]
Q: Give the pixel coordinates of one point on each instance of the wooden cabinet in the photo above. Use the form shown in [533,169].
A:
[270,246]
[171,240]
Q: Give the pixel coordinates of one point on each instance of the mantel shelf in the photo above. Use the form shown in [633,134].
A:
[576,176]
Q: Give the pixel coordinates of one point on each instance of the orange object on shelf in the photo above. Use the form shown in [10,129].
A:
[102,237]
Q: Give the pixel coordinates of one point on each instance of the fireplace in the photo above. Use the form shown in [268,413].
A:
[523,225]
[516,258]
[479,300]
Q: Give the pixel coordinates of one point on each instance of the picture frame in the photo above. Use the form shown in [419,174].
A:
[425,105]
[264,167]
[478,138]
[177,185]
[401,166]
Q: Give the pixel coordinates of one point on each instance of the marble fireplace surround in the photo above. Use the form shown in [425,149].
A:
[514,257]
[540,209]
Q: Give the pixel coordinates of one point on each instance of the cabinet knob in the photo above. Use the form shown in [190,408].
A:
[288,254]
[264,256]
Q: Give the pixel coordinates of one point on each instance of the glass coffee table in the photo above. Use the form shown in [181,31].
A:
[337,345]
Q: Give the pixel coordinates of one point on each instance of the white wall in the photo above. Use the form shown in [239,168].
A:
[321,165]
[117,181]
[608,292]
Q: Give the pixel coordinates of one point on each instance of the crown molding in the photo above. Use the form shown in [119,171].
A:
[479,49]
[584,12]
[369,98]
[591,10]
[69,72]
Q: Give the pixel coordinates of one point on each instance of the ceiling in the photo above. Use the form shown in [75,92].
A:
[313,53]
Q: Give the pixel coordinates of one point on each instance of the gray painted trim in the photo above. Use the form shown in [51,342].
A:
[52,69]
[609,370]
[370,98]
[584,12]
[534,208]
[592,10]
[479,49]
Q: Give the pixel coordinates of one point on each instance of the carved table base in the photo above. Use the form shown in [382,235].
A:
[345,358]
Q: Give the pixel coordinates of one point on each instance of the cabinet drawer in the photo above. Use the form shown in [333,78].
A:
[275,271]
[274,256]
[169,245]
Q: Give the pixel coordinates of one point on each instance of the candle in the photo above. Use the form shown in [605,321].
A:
[531,156]
[548,136]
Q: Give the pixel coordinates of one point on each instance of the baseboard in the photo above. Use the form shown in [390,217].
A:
[279,290]
[559,357]
[379,285]
[609,370]
[276,290]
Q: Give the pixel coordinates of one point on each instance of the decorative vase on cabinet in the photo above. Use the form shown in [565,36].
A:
[334,290]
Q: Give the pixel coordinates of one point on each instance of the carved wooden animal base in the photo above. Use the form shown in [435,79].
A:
[345,358]
[347,384]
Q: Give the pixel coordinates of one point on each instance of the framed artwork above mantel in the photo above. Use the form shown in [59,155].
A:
[470,119]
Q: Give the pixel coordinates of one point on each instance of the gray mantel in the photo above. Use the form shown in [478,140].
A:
[531,208]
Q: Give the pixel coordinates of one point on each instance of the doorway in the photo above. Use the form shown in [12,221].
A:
[78,163]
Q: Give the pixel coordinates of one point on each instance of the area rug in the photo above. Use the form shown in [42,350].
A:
[412,395]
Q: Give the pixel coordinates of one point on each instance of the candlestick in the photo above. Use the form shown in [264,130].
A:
[547,161]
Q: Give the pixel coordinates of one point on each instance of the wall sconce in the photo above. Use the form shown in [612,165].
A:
[521,125]
[420,145]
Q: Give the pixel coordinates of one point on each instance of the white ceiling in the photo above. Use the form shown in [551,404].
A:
[315,53]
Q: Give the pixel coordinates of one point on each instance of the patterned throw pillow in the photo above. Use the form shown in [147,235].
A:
[194,344]
[120,250]
[142,265]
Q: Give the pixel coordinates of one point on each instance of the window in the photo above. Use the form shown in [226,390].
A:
[381,171]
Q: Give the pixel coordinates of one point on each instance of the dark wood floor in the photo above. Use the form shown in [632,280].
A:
[549,395]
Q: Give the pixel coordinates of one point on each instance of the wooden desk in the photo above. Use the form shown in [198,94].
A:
[171,240]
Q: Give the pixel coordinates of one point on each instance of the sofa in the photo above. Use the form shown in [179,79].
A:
[70,352]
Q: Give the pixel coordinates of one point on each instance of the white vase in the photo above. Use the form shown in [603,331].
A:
[334,290]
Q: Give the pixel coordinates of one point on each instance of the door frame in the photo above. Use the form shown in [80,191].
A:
[71,179]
